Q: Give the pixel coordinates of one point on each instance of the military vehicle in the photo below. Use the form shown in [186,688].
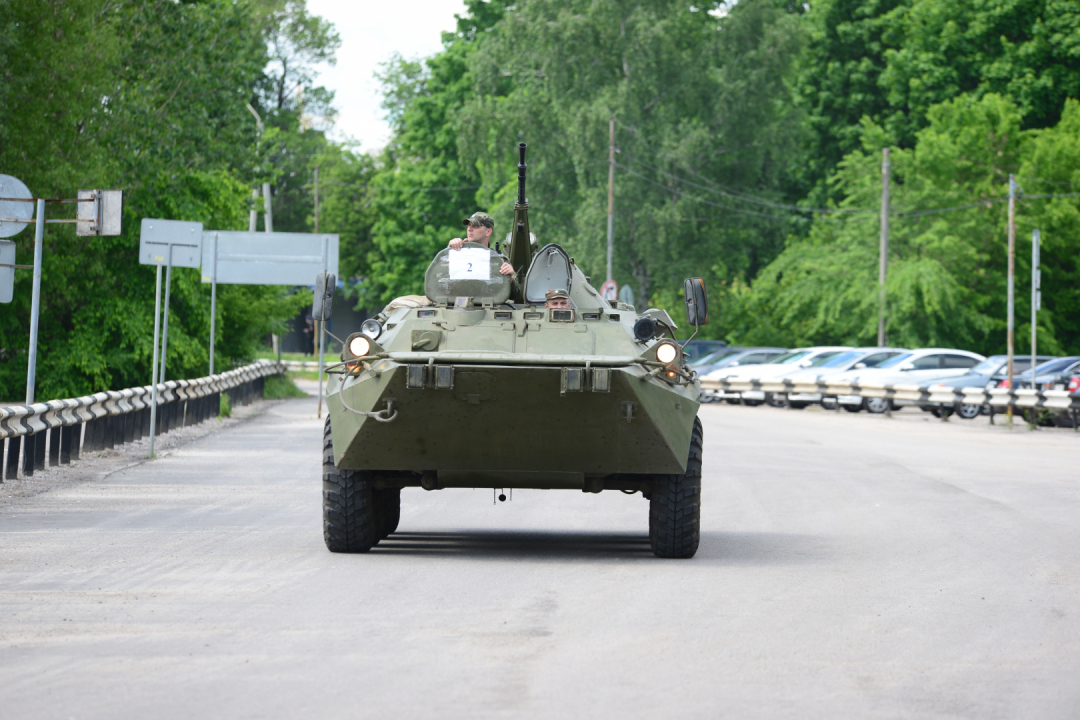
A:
[479,385]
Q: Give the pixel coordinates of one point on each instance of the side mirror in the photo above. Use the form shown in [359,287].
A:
[859,366]
[322,305]
[906,366]
[806,364]
[697,305]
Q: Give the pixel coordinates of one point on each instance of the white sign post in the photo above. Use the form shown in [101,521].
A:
[168,242]
[254,258]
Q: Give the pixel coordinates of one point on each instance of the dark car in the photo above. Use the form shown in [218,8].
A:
[701,348]
[1054,375]
[989,373]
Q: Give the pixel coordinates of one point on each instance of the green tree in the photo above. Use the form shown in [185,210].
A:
[947,267]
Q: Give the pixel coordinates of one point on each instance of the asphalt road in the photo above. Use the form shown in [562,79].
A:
[850,567]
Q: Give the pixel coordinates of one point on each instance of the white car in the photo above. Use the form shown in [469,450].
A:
[793,361]
[910,368]
[857,359]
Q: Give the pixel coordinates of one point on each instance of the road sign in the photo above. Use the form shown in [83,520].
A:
[157,236]
[254,258]
[609,290]
[626,295]
[102,216]
[7,270]
[14,208]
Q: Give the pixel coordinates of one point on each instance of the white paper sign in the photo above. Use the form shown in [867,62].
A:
[470,264]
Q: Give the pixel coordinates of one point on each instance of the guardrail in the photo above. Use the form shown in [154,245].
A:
[301,365]
[917,394]
[111,418]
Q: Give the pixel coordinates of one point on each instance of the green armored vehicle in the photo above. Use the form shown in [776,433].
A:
[600,393]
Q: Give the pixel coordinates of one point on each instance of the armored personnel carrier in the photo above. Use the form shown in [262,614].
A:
[592,397]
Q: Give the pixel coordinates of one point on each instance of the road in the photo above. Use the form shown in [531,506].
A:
[850,566]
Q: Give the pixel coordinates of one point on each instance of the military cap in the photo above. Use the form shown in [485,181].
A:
[556,293]
[479,218]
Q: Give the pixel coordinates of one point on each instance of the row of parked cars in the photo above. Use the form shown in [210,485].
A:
[937,367]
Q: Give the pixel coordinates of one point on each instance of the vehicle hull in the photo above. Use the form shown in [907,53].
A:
[511,425]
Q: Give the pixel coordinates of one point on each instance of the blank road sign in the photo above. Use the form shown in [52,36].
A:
[7,274]
[157,235]
[255,258]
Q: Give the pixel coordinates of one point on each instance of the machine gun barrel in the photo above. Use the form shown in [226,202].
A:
[521,175]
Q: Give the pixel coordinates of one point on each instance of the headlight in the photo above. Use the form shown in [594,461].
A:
[359,346]
[666,352]
[371,328]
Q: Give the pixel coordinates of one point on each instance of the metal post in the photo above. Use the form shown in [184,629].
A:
[165,327]
[883,268]
[253,216]
[611,201]
[316,200]
[153,364]
[213,304]
[1012,271]
[35,302]
[1036,295]
[268,213]
[320,327]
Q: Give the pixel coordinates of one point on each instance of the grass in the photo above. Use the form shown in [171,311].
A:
[277,387]
[225,409]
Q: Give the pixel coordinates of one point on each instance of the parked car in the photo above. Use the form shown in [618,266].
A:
[700,348]
[857,359]
[909,368]
[792,361]
[731,358]
[989,373]
[1053,375]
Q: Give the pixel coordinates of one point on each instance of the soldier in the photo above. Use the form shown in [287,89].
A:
[479,227]
[558,298]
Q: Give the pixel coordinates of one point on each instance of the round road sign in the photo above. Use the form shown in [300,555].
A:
[15,190]
[609,290]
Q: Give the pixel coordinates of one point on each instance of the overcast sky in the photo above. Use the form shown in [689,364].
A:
[370,33]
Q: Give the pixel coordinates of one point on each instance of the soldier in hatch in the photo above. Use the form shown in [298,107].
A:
[558,299]
[479,227]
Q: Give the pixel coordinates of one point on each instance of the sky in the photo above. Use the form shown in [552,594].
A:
[370,33]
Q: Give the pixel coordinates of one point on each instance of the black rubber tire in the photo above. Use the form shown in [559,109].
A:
[752,403]
[675,506]
[854,408]
[968,411]
[797,405]
[349,516]
[877,406]
[389,501]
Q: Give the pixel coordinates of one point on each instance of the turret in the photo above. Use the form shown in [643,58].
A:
[520,250]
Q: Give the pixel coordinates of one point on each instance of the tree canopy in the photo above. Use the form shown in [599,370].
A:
[748,151]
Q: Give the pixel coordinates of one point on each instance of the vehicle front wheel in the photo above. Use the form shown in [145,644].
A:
[389,502]
[675,506]
[349,514]
[797,405]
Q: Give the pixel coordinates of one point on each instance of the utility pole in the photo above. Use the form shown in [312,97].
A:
[1036,294]
[1011,293]
[268,210]
[316,199]
[883,268]
[611,202]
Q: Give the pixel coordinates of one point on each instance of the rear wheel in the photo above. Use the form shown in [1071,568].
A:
[969,412]
[796,404]
[349,515]
[675,506]
[877,405]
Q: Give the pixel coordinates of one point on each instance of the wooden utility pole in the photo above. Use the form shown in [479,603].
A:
[316,199]
[1011,293]
[611,202]
[883,267]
